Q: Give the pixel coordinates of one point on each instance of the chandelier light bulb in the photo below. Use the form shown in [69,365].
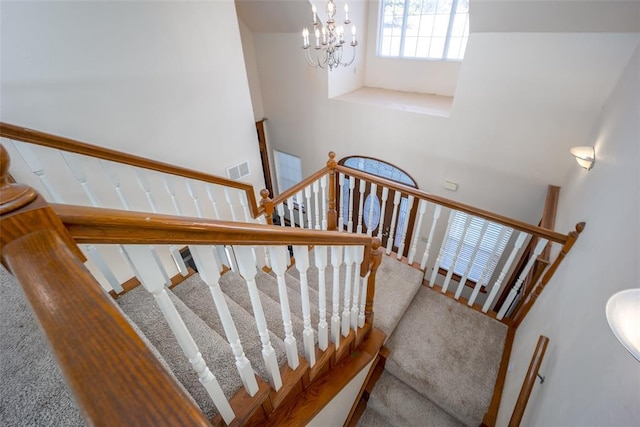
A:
[330,39]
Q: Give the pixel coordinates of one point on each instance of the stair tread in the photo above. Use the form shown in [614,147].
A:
[401,405]
[396,286]
[269,285]
[235,288]
[33,390]
[143,310]
[452,358]
[196,295]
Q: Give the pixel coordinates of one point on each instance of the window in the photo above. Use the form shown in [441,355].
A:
[288,171]
[489,238]
[383,170]
[430,29]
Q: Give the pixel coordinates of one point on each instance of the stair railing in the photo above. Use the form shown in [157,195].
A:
[69,171]
[455,239]
[26,217]
[445,235]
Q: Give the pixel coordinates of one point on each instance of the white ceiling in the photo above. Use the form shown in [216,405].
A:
[289,16]
[274,16]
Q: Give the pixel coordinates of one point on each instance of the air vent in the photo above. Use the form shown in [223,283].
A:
[238,171]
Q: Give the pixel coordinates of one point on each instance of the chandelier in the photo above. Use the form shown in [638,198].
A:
[329,39]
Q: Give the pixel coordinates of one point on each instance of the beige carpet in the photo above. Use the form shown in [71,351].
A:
[448,353]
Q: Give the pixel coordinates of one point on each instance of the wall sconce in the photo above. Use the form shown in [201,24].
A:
[623,315]
[585,156]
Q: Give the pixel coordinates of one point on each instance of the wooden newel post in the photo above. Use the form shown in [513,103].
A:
[332,214]
[375,260]
[267,203]
[24,211]
[531,299]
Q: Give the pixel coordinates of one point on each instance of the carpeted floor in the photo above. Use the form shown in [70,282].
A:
[448,353]
[33,391]
[443,363]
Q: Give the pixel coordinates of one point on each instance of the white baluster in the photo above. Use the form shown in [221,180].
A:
[383,206]
[372,194]
[76,168]
[472,259]
[248,270]
[79,173]
[292,222]
[194,196]
[425,256]
[358,252]
[153,282]
[209,271]
[144,184]
[396,201]
[436,267]
[512,256]
[307,195]
[279,258]
[36,168]
[323,186]
[336,262]
[115,181]
[405,225]
[280,209]
[422,208]
[212,199]
[227,195]
[352,185]
[300,210]
[340,203]
[515,290]
[321,264]
[363,185]
[98,260]
[493,260]
[242,197]
[267,259]
[168,185]
[316,205]
[456,254]
[175,253]
[301,253]
[363,299]
[346,314]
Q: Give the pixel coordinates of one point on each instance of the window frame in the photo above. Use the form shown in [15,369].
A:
[298,204]
[484,277]
[452,13]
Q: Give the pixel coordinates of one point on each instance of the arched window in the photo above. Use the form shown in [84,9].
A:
[384,170]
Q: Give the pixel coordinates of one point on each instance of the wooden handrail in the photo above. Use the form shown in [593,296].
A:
[87,332]
[518,225]
[65,144]
[290,192]
[519,315]
[97,225]
[529,381]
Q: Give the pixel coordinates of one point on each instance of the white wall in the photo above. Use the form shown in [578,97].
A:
[508,134]
[165,80]
[409,75]
[343,80]
[591,380]
[249,51]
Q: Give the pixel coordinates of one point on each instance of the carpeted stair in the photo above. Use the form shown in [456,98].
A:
[442,367]
[411,381]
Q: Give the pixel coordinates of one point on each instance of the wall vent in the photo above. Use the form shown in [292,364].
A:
[239,171]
